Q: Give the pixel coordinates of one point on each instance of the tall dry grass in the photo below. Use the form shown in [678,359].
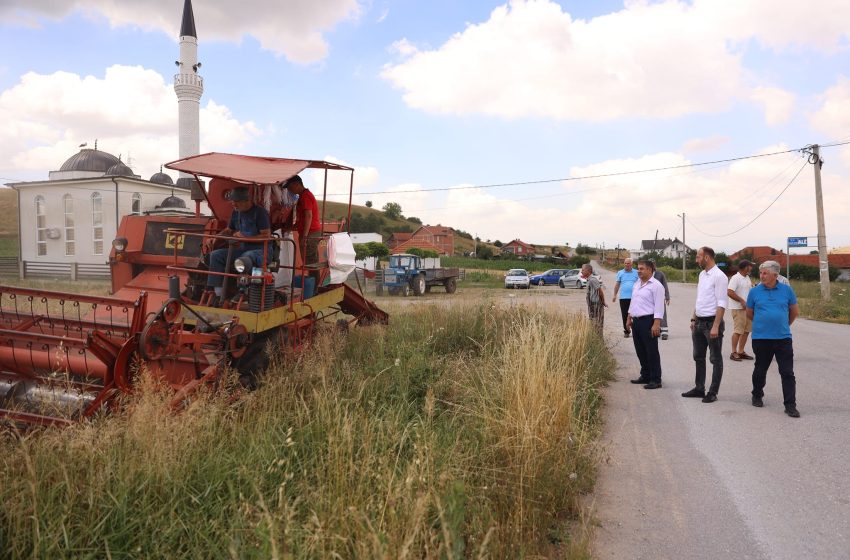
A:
[464,432]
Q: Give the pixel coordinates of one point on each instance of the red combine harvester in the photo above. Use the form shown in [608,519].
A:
[64,356]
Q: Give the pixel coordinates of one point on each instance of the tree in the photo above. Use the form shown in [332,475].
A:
[485,253]
[370,249]
[424,253]
[368,204]
[498,243]
[392,210]
[414,219]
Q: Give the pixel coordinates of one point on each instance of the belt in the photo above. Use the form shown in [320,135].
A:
[644,317]
[705,318]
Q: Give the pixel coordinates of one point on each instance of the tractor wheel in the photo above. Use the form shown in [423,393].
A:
[405,291]
[451,285]
[427,289]
[393,291]
[379,289]
[418,285]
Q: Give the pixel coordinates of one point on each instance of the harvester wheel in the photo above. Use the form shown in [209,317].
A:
[154,340]
[418,285]
[451,285]
[256,359]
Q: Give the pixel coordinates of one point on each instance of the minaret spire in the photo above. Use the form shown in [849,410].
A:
[189,87]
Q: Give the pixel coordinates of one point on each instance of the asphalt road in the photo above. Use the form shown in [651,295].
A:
[688,480]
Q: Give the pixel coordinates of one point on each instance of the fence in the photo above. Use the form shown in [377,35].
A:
[10,266]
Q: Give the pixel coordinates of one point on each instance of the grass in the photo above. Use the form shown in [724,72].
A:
[462,432]
[8,246]
[837,310]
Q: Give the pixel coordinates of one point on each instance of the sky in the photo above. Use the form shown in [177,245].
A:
[433,103]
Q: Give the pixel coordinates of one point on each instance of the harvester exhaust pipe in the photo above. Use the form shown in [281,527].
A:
[174,287]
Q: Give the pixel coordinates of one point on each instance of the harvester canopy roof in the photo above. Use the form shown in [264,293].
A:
[248,169]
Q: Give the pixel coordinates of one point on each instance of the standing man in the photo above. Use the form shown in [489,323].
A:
[307,222]
[661,277]
[772,307]
[739,287]
[595,298]
[707,325]
[626,279]
[646,309]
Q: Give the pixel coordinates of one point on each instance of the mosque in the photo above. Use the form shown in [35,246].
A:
[67,223]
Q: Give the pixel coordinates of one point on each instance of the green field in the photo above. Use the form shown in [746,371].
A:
[502,265]
[453,433]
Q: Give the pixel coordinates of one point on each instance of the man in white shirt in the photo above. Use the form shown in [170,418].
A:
[646,309]
[738,290]
[707,325]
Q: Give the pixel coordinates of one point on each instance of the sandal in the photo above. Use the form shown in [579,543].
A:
[745,356]
[735,357]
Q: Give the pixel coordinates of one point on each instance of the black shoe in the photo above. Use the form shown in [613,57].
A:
[694,393]
[640,381]
[709,397]
[652,385]
[758,402]
[792,411]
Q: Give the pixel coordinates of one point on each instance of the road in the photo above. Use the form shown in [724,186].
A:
[687,480]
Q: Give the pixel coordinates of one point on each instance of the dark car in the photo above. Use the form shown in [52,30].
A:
[549,277]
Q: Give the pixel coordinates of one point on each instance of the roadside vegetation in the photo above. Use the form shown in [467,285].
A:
[837,310]
[501,265]
[461,432]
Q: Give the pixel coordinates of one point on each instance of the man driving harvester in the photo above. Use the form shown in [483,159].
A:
[247,221]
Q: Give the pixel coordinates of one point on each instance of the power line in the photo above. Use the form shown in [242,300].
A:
[759,214]
[599,175]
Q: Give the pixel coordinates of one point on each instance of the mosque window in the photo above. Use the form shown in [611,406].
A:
[136,205]
[40,226]
[70,239]
[97,223]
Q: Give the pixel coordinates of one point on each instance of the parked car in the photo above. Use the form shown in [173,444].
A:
[574,279]
[517,278]
[550,276]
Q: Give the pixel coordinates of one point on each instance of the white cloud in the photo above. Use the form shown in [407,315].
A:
[624,209]
[339,182]
[778,103]
[403,48]
[833,115]
[650,59]
[130,110]
[709,144]
[294,28]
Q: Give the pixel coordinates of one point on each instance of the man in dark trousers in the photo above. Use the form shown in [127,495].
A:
[626,279]
[248,221]
[661,277]
[646,310]
[707,325]
[772,307]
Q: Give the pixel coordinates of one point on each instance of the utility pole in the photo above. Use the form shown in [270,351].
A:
[684,248]
[823,258]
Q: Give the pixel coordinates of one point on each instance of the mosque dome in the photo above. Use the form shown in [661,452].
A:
[120,169]
[90,160]
[162,178]
[172,202]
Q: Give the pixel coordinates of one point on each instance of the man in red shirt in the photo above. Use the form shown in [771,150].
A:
[307,222]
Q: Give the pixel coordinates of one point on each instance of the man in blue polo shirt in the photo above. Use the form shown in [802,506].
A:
[626,279]
[772,307]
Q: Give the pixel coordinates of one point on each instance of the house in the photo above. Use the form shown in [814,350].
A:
[671,248]
[518,248]
[397,239]
[759,254]
[414,243]
[67,223]
[442,237]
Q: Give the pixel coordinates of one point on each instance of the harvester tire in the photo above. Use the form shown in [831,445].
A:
[451,285]
[418,285]
[255,360]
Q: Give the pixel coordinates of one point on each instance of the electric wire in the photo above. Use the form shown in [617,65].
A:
[794,178]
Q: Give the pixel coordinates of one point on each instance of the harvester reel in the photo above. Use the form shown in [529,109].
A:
[154,340]
[127,365]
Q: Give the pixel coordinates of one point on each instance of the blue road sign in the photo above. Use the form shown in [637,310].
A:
[798,241]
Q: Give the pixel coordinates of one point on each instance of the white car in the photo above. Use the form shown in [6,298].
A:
[517,278]
[574,280]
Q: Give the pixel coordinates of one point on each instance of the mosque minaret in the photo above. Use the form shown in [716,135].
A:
[189,87]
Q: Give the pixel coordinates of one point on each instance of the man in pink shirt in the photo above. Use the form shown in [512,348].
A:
[645,313]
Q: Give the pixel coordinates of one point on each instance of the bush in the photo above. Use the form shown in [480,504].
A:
[811,273]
